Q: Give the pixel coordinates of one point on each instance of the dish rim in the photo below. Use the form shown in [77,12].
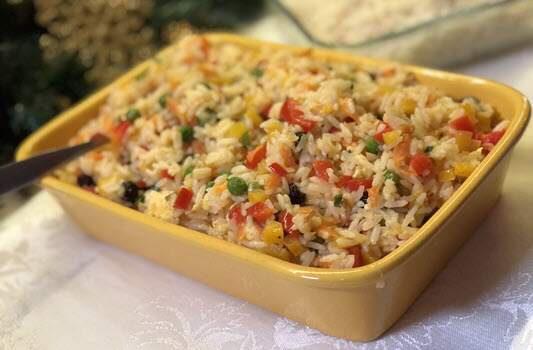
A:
[319,277]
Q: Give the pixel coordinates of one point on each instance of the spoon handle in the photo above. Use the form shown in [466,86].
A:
[19,174]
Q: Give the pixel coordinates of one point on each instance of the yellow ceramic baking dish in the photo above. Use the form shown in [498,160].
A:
[357,304]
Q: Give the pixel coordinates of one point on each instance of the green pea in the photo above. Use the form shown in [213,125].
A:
[141,75]
[188,170]
[132,114]
[210,184]
[245,139]
[391,175]
[163,100]
[256,186]
[337,200]
[187,133]
[257,72]
[372,146]
[237,186]
[206,118]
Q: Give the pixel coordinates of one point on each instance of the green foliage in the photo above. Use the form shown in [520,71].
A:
[33,90]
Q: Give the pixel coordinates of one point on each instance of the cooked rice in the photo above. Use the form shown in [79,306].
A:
[237,99]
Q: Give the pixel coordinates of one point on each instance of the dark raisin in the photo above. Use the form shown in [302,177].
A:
[296,196]
[318,240]
[85,181]
[364,197]
[428,216]
[299,134]
[154,188]
[131,192]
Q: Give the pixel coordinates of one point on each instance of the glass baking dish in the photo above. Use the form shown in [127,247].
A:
[448,39]
[357,304]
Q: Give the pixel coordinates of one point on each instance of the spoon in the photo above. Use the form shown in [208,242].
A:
[19,174]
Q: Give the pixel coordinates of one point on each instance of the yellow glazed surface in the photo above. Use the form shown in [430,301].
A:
[357,304]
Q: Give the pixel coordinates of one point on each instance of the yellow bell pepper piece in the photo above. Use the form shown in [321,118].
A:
[463,139]
[345,242]
[272,126]
[257,196]
[294,246]
[253,116]
[273,233]
[484,123]
[222,80]
[236,130]
[391,137]
[327,109]
[385,89]
[370,254]
[408,106]
[463,169]
[446,175]
[470,111]
[277,251]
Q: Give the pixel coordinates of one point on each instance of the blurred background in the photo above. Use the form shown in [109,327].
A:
[55,52]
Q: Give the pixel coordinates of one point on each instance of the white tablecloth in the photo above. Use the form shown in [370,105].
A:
[62,290]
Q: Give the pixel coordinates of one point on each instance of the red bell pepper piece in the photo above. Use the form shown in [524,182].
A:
[382,128]
[184,198]
[462,123]
[351,184]
[165,174]
[235,215]
[260,212]
[421,164]
[285,219]
[292,115]
[278,169]
[121,129]
[320,167]
[358,256]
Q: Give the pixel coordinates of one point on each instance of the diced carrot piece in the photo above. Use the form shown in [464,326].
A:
[286,155]
[198,147]
[255,156]
[373,197]
[272,183]
[400,154]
